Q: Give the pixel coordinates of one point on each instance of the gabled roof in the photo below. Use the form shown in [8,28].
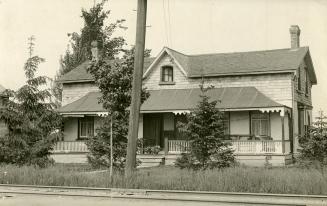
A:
[80,73]
[87,104]
[230,98]
[219,64]
[239,63]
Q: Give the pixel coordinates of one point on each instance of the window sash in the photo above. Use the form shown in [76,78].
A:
[226,124]
[167,74]
[86,128]
[260,124]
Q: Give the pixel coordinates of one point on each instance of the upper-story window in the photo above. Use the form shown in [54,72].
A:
[306,78]
[299,80]
[167,74]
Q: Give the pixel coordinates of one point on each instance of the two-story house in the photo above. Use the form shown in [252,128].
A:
[266,97]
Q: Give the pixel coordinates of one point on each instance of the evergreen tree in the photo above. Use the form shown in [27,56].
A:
[79,48]
[205,130]
[33,124]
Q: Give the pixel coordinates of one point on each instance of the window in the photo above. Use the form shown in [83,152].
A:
[226,123]
[260,124]
[299,80]
[167,74]
[306,78]
[86,128]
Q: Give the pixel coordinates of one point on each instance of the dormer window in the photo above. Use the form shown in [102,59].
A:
[167,74]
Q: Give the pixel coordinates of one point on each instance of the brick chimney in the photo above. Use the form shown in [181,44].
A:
[295,36]
[94,51]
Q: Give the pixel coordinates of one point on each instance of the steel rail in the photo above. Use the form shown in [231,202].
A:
[172,195]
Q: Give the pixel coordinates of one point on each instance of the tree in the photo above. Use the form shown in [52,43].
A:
[31,119]
[314,144]
[205,130]
[79,48]
[114,79]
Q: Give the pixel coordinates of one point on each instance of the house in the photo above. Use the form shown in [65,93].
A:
[266,97]
[3,100]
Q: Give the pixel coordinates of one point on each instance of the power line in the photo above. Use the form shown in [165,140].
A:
[169,24]
[165,22]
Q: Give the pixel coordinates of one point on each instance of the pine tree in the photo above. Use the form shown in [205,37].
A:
[205,130]
[31,119]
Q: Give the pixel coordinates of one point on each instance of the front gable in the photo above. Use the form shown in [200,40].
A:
[166,56]
[153,75]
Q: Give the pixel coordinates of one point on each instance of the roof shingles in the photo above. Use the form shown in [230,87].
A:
[279,60]
[187,99]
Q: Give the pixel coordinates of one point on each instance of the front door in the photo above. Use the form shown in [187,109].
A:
[152,130]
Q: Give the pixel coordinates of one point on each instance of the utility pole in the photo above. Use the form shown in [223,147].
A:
[136,87]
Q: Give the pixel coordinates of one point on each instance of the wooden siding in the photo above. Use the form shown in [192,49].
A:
[276,86]
[73,91]
[300,94]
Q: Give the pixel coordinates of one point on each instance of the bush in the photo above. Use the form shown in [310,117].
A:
[99,146]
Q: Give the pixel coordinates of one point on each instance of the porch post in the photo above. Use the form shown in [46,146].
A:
[166,145]
[282,114]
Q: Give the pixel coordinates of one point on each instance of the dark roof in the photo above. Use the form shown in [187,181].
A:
[88,103]
[221,64]
[240,63]
[186,99]
[80,74]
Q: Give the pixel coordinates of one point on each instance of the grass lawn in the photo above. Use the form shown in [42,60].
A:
[239,179]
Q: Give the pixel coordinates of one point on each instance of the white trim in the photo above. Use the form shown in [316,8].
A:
[281,110]
[268,109]
[67,114]
[159,56]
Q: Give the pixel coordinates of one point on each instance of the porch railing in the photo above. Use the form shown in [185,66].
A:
[240,147]
[178,145]
[70,146]
[257,147]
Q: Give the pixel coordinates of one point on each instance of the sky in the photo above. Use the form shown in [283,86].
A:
[188,26]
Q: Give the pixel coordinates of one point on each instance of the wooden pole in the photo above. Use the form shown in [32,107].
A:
[136,88]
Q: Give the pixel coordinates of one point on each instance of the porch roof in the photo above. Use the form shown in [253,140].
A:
[88,104]
[229,98]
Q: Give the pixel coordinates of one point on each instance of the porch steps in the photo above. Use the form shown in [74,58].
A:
[151,160]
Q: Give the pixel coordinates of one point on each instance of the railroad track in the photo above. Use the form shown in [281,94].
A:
[171,195]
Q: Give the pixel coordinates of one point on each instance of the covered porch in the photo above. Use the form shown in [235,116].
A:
[254,124]
[249,132]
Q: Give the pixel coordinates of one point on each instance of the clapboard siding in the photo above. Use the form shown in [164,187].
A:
[300,94]
[276,86]
[74,91]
